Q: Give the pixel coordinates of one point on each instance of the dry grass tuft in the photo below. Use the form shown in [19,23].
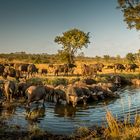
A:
[123,131]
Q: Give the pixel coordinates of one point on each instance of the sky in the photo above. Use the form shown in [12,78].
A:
[32,25]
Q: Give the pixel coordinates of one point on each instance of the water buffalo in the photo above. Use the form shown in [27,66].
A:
[9,89]
[43,71]
[23,68]
[22,87]
[119,67]
[31,69]
[131,67]
[110,67]
[60,94]
[117,80]
[11,64]
[97,67]
[36,93]
[50,93]
[9,71]
[2,69]
[101,91]
[65,69]
[88,70]
[75,94]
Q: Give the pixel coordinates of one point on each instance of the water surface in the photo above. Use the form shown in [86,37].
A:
[61,119]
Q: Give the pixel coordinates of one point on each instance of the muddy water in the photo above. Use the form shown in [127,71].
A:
[60,119]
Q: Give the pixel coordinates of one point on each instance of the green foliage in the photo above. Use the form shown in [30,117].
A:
[29,58]
[131,12]
[59,81]
[71,41]
[106,57]
[130,57]
[72,81]
[35,81]
[37,60]
[64,56]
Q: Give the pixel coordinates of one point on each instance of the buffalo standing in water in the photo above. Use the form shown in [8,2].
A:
[9,89]
[36,93]
[75,94]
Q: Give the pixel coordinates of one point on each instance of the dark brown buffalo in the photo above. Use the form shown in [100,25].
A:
[9,89]
[50,94]
[50,65]
[36,93]
[119,67]
[23,67]
[131,67]
[1,69]
[59,94]
[22,87]
[110,67]
[32,69]
[97,67]
[9,71]
[43,71]
[88,70]
[119,80]
[74,95]
[11,64]
[64,69]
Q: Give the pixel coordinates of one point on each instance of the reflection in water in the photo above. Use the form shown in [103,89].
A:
[64,110]
[34,114]
[8,110]
[64,119]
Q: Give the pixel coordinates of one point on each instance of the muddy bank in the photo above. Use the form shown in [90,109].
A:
[81,133]
[29,136]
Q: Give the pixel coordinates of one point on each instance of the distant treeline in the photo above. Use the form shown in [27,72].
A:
[31,58]
[54,58]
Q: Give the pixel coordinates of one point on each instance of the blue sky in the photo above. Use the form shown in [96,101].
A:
[32,25]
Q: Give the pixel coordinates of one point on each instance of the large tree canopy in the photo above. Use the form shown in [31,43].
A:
[72,41]
[131,12]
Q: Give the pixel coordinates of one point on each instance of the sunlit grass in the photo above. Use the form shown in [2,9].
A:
[122,130]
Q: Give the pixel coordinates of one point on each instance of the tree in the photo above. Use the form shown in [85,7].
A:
[72,41]
[130,57]
[63,56]
[97,58]
[131,12]
[137,56]
[106,57]
[118,58]
[81,55]
[37,60]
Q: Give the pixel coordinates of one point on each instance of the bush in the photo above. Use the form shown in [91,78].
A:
[59,81]
[72,81]
[35,81]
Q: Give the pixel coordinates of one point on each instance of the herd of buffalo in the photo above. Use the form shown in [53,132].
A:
[78,92]
[22,70]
